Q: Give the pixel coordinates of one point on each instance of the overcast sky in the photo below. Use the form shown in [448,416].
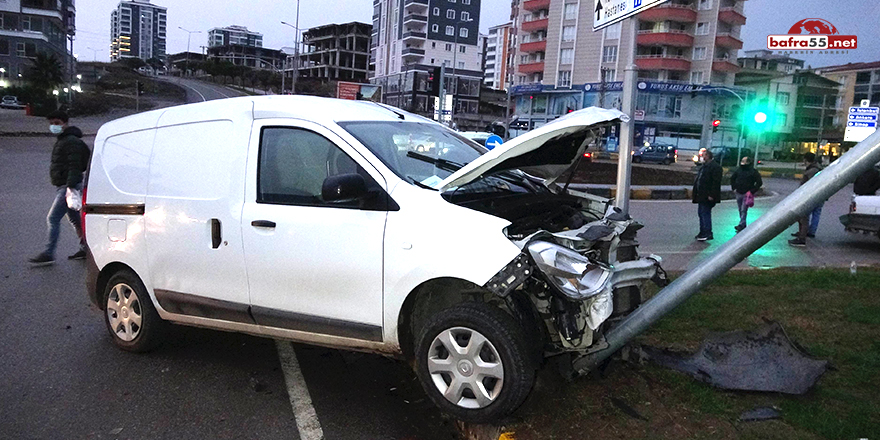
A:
[851,17]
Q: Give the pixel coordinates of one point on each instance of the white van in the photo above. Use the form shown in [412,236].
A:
[317,220]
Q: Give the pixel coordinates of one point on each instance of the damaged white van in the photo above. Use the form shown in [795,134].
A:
[355,225]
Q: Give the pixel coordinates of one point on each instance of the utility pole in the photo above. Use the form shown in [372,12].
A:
[624,162]
[296,43]
[188,37]
[821,127]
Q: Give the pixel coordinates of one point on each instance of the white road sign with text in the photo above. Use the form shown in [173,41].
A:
[608,12]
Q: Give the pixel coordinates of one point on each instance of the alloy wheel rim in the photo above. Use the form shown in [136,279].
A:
[124,312]
[465,367]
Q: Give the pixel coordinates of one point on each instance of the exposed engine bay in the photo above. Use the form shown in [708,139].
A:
[579,265]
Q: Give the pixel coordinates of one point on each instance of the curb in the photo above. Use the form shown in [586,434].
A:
[647,193]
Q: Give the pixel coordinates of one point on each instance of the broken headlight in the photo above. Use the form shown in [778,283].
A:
[573,274]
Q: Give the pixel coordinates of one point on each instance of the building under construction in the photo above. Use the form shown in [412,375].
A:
[337,52]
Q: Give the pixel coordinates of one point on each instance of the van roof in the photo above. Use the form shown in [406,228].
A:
[312,108]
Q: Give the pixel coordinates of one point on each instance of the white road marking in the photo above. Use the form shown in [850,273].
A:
[193,89]
[306,417]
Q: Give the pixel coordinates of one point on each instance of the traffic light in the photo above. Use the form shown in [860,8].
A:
[140,88]
[434,79]
[715,125]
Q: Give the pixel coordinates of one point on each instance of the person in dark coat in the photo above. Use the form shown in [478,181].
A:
[745,179]
[70,158]
[707,193]
[807,224]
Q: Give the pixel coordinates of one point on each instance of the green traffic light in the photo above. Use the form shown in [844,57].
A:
[760,117]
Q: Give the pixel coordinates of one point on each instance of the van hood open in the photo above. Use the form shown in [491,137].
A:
[546,152]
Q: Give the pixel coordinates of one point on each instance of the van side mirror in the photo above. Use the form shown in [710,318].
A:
[344,188]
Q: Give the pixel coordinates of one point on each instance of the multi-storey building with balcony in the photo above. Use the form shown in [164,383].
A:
[497,56]
[685,51]
[861,81]
[29,27]
[802,112]
[337,52]
[138,30]
[237,35]
[763,63]
[412,37]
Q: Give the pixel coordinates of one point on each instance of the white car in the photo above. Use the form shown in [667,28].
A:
[864,215]
[10,101]
[480,137]
[300,218]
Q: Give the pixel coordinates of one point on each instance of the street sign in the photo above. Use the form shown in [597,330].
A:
[608,12]
[860,123]
[866,103]
[639,115]
[494,141]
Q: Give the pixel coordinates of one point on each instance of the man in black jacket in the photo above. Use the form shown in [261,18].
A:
[70,158]
[745,179]
[707,193]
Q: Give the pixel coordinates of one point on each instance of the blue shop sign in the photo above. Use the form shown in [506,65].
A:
[616,86]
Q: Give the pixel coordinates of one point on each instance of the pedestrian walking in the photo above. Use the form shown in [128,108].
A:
[707,193]
[70,158]
[808,224]
[745,183]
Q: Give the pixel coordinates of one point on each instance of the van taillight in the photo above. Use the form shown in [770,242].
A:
[852,206]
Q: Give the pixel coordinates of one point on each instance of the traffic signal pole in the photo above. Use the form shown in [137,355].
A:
[624,161]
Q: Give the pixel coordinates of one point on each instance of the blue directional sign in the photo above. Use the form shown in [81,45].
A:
[494,141]
[860,123]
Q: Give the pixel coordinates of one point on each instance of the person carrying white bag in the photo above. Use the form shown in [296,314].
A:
[70,159]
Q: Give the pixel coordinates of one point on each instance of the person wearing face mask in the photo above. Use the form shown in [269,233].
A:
[70,158]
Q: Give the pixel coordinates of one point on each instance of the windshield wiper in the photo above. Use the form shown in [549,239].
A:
[420,184]
[438,162]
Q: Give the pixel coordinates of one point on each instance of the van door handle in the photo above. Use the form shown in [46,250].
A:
[216,235]
[263,224]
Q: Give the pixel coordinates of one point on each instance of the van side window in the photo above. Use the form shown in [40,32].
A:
[294,163]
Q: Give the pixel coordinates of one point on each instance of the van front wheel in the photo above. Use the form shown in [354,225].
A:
[473,362]
[131,319]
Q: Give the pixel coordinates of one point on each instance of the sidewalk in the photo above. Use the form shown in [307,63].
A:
[16,123]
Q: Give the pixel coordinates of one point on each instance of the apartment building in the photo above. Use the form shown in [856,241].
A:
[498,46]
[337,52]
[237,35]
[860,81]
[685,50]
[763,63]
[29,27]
[138,30]
[802,112]
[412,37]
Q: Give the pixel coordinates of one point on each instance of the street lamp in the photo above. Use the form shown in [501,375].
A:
[188,37]
[94,53]
[454,77]
[296,43]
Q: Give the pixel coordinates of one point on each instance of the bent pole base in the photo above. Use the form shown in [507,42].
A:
[821,187]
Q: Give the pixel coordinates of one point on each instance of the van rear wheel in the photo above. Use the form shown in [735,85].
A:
[474,363]
[129,315]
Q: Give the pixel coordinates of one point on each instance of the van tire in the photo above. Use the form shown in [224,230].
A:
[129,314]
[667,161]
[505,339]
[637,159]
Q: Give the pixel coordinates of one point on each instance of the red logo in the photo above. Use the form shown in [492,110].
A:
[812,34]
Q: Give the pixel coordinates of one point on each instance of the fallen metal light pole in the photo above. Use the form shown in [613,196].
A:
[821,187]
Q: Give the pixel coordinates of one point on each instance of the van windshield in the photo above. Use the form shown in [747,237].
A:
[420,153]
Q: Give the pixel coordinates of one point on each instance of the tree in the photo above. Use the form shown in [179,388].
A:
[132,63]
[45,73]
[156,64]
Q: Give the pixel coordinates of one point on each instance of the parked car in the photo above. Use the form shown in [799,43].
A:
[864,215]
[10,101]
[300,218]
[657,153]
[726,156]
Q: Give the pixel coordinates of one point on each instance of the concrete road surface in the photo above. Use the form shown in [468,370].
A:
[670,227]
